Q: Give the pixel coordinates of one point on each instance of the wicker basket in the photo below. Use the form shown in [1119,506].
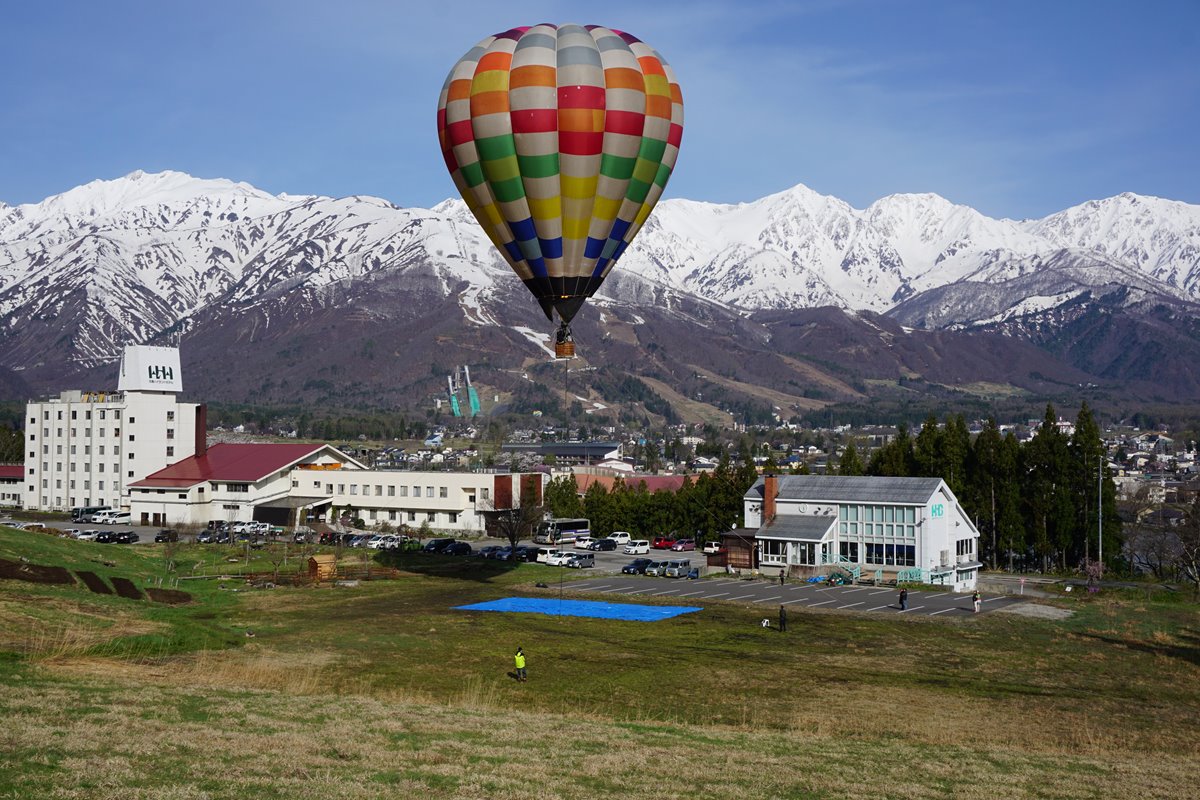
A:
[564,349]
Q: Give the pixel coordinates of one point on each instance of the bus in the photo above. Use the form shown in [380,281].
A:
[561,531]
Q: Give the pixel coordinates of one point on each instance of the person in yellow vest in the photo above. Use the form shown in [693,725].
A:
[520,661]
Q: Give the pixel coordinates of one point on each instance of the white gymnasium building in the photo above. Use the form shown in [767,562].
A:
[891,528]
[293,483]
[85,448]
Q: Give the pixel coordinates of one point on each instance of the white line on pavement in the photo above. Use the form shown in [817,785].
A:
[860,589]
[914,608]
[852,605]
[943,594]
[741,597]
[692,594]
[722,594]
[885,591]
[789,602]
[823,603]
[876,608]
[765,599]
[943,611]
[621,588]
[668,591]
[601,586]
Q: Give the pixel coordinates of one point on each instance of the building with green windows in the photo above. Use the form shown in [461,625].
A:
[903,529]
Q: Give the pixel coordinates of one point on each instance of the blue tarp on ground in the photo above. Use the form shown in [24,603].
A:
[581,608]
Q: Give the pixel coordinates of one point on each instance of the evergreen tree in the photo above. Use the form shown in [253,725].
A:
[851,464]
[562,497]
[895,459]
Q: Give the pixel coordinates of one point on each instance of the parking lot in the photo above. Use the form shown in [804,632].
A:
[770,595]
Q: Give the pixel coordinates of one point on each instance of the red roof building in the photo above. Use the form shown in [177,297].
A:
[11,472]
[240,463]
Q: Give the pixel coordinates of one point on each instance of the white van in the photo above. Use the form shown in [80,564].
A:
[678,569]
[637,547]
[112,516]
[620,537]
[544,554]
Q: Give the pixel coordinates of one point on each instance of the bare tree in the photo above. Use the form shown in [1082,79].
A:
[1189,547]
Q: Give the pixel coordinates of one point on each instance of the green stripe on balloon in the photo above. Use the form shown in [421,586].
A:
[543,166]
[616,167]
[494,148]
[652,149]
[472,173]
[638,189]
[664,172]
[508,190]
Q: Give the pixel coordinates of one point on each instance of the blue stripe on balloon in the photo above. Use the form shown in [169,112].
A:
[618,229]
[524,230]
[600,265]
[551,248]
[538,265]
[593,248]
[514,252]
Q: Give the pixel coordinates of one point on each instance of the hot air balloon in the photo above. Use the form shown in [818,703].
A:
[561,139]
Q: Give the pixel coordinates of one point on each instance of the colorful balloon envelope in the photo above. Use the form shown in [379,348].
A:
[561,139]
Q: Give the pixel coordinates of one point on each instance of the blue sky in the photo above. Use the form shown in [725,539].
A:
[1016,108]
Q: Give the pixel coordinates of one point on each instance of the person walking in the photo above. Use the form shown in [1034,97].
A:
[781,577]
[519,658]
[976,601]
[782,619]
[904,599]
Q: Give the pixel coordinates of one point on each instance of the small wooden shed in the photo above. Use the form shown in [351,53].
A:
[322,567]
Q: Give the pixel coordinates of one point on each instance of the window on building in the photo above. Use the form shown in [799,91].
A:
[132,437]
[102,417]
[132,421]
[443,492]
[329,488]
[773,551]
[412,515]
[130,473]
[341,488]
[431,517]
[429,491]
[87,449]
[45,483]
[849,551]
[116,413]
[58,450]
[392,515]
[45,450]
[378,490]
[182,496]
[391,491]
[170,452]
[404,491]
[170,433]
[86,484]
[452,518]
[416,491]
[100,485]
[130,456]
[87,466]
[371,514]
[483,493]
[354,488]
[117,432]
[170,416]
[237,487]
[965,548]
[72,449]
[74,414]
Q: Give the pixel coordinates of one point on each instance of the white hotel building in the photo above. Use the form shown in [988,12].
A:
[85,448]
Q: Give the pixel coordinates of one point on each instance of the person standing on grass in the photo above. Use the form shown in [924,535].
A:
[904,599]
[782,619]
[976,601]
[519,658]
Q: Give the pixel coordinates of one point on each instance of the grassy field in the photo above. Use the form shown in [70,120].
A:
[383,689]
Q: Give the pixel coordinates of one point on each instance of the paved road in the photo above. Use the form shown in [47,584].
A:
[770,595]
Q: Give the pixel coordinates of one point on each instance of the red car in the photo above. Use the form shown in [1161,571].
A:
[663,542]
[684,544]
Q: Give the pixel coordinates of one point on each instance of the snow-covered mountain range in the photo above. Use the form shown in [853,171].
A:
[109,262]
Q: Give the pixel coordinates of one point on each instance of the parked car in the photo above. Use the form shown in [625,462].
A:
[167,536]
[486,552]
[583,541]
[637,547]
[524,554]
[92,515]
[544,554]
[655,568]
[677,569]
[620,537]
[436,545]
[684,544]
[603,544]
[376,542]
[581,560]
[127,537]
[712,548]
[456,549]
[106,537]
[207,537]
[560,559]
[663,542]
[88,535]
[636,567]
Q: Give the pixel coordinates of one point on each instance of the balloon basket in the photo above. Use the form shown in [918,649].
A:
[564,349]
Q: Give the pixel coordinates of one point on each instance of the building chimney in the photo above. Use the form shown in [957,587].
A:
[770,491]
[201,443]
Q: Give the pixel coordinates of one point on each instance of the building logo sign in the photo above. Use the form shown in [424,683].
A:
[150,369]
[938,510]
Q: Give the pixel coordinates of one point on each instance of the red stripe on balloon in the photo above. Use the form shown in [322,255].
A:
[535,120]
[580,143]
[460,132]
[675,135]
[581,97]
[628,122]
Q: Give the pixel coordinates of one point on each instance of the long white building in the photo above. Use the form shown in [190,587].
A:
[289,484]
[85,448]
[911,528]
